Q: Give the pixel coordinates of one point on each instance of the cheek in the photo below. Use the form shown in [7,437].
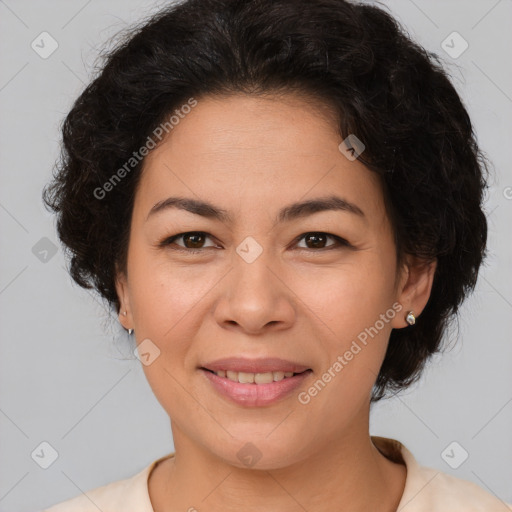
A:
[353,311]
[164,293]
[168,304]
[350,297]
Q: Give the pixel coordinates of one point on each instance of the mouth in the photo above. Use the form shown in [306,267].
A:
[254,378]
[254,382]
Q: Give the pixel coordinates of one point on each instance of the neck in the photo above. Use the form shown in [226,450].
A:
[348,473]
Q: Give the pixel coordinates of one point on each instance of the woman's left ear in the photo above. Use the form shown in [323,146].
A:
[414,289]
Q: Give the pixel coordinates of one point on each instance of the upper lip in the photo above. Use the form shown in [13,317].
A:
[242,364]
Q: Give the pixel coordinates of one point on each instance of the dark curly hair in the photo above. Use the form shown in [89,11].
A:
[355,58]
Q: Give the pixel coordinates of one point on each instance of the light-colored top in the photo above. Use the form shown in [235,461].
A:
[426,490]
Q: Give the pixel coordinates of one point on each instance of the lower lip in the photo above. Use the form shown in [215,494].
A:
[255,395]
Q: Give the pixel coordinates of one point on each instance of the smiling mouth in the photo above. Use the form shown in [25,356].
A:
[255,378]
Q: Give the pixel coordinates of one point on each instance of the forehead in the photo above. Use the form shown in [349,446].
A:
[244,149]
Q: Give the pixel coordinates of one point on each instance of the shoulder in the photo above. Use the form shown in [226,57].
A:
[430,490]
[107,497]
[444,492]
[119,496]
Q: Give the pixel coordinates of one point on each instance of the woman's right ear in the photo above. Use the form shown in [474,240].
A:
[124,303]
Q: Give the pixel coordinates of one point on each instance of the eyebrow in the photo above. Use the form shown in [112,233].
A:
[286,214]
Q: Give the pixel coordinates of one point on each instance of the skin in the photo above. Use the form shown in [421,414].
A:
[251,156]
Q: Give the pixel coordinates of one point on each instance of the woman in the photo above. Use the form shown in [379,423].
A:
[282,201]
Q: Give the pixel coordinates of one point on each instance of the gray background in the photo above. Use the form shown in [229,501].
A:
[67,375]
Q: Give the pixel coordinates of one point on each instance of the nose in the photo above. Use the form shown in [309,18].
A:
[255,297]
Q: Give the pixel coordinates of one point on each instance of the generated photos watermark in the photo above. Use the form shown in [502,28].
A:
[137,156]
[355,348]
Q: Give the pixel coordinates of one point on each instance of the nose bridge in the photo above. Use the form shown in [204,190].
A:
[252,274]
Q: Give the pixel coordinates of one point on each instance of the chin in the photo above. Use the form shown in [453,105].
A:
[260,452]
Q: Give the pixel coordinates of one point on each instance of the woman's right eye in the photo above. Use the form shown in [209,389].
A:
[194,238]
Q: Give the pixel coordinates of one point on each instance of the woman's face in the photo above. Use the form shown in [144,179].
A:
[262,277]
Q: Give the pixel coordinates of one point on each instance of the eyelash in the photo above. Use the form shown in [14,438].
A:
[340,242]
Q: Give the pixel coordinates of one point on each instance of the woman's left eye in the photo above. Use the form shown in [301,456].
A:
[319,239]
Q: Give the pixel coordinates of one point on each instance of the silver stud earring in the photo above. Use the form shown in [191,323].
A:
[410,318]
[129,330]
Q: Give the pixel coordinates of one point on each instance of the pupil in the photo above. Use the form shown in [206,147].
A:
[195,244]
[319,240]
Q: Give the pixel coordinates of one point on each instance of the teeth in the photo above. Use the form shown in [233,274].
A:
[246,378]
[232,375]
[254,378]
